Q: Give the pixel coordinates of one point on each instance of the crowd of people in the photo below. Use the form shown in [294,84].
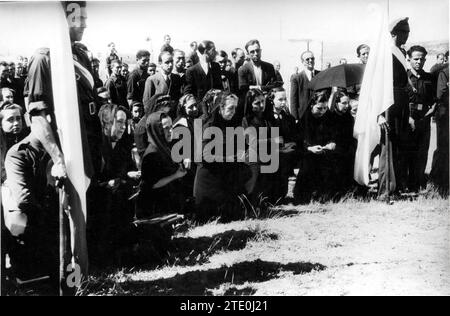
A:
[127,125]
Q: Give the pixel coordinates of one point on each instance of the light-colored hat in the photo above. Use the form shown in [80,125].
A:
[399,24]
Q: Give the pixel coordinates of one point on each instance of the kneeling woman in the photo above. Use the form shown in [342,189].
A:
[345,143]
[258,115]
[159,192]
[220,179]
[187,113]
[316,178]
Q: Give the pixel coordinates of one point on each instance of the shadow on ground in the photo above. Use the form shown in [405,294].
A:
[203,282]
[185,251]
[191,251]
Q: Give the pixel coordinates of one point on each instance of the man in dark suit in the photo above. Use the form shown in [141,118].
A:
[164,82]
[256,74]
[205,75]
[300,92]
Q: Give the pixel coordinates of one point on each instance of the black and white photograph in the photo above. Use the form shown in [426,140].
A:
[235,149]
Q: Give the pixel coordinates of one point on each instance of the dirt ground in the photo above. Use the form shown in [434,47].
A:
[348,248]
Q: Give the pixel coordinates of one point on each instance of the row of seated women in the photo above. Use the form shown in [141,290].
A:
[321,146]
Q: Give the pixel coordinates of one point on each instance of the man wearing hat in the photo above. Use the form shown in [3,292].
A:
[396,121]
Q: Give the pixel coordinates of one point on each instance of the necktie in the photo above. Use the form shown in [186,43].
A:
[168,81]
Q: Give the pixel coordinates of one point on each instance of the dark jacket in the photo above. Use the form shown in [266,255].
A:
[117,161]
[26,166]
[156,84]
[230,81]
[117,88]
[300,94]
[247,77]
[198,83]
[136,84]
[38,89]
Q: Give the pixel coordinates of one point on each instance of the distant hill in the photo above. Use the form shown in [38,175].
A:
[435,47]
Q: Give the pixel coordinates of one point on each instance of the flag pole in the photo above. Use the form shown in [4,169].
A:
[388,162]
[1,225]
[62,240]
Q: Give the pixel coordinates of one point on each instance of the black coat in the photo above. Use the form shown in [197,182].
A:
[163,200]
[300,94]
[247,77]
[198,83]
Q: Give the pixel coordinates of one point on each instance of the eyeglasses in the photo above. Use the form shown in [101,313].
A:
[311,58]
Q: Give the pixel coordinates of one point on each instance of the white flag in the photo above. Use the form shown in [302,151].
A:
[377,93]
[67,116]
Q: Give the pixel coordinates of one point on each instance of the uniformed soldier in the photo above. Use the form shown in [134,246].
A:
[397,120]
[38,90]
[422,97]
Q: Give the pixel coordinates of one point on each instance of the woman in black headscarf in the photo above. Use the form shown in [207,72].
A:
[345,143]
[257,114]
[159,193]
[316,178]
[158,102]
[220,180]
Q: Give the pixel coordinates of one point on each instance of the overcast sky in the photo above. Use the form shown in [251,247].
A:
[341,25]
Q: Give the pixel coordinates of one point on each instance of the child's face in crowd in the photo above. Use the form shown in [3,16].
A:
[259,104]
[12,121]
[343,104]
[8,96]
[137,112]
[124,71]
[279,101]
[319,109]
[151,70]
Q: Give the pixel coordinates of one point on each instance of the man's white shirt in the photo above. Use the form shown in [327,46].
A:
[205,66]
[258,74]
